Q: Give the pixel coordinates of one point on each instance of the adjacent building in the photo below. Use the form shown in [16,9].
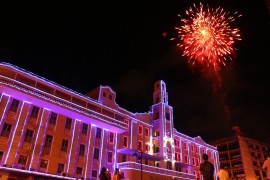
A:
[242,157]
[48,131]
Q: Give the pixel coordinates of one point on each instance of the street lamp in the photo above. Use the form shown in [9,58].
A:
[139,158]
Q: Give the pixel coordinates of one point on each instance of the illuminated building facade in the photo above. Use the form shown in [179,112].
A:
[242,157]
[50,131]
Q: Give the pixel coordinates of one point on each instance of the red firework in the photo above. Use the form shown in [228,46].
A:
[206,36]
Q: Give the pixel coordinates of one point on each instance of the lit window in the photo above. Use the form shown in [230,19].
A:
[44,163]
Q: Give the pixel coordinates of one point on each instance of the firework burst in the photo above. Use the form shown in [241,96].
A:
[206,36]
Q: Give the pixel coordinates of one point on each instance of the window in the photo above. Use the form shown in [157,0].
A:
[156,133]
[34,112]
[22,159]
[124,158]
[6,130]
[79,170]
[169,165]
[177,156]
[98,133]
[60,167]
[48,142]
[196,149]
[44,163]
[140,145]
[147,132]
[192,148]
[167,116]
[53,118]
[140,128]
[111,137]
[147,148]
[68,123]
[28,135]
[64,146]
[14,105]
[185,145]
[125,142]
[1,155]
[110,157]
[94,173]
[197,162]
[186,159]
[81,151]
[110,97]
[193,161]
[96,154]
[84,128]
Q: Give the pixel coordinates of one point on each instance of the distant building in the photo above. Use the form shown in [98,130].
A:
[242,157]
[48,131]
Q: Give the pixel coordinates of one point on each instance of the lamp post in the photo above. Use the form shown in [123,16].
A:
[139,159]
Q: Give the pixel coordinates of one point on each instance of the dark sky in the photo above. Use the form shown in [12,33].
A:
[122,45]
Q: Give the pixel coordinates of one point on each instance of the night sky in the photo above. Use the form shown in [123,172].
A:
[127,46]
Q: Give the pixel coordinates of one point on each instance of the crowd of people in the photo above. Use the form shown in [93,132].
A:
[105,174]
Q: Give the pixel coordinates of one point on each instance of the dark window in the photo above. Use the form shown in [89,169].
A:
[84,128]
[60,167]
[98,133]
[22,159]
[34,112]
[6,130]
[111,138]
[48,142]
[146,132]
[68,123]
[110,97]
[79,170]
[96,153]
[44,163]
[1,155]
[140,129]
[125,141]
[109,157]
[104,94]
[124,158]
[82,148]
[64,146]
[53,118]
[167,116]
[14,105]
[94,173]
[28,135]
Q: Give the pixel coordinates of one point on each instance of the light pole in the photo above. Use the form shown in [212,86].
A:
[139,158]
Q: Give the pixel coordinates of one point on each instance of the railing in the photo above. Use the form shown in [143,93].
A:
[153,169]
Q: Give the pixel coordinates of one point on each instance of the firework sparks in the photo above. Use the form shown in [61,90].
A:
[206,36]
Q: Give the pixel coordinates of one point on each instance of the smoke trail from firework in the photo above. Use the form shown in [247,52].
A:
[206,36]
